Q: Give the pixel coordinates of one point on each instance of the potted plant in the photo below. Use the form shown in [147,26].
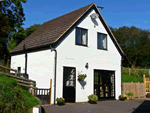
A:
[130,95]
[122,97]
[81,77]
[60,101]
[148,95]
[93,98]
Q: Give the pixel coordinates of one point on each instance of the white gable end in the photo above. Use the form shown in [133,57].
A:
[72,55]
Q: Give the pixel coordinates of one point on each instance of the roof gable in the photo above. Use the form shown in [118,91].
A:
[50,31]
[54,30]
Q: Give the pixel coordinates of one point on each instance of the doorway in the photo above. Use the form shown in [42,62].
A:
[104,84]
[69,83]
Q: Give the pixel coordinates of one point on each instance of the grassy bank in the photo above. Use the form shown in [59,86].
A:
[14,99]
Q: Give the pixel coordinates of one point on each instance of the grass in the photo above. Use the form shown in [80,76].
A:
[131,78]
[14,99]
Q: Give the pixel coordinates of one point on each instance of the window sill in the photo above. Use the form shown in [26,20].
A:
[81,45]
[102,49]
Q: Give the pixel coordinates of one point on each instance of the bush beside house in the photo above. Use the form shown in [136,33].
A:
[13,99]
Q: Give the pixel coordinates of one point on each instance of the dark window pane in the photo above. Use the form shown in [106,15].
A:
[99,40]
[78,36]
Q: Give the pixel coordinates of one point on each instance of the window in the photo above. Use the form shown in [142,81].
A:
[19,69]
[102,41]
[81,36]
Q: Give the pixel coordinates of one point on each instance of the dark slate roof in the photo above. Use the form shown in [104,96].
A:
[50,31]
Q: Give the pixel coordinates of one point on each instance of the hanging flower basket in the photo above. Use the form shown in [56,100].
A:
[81,77]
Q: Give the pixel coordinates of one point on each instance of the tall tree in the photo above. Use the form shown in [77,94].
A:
[20,35]
[11,19]
[135,43]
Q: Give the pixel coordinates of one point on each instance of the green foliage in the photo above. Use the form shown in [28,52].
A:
[11,45]
[135,42]
[13,99]
[131,78]
[130,94]
[60,100]
[125,71]
[93,97]
[81,77]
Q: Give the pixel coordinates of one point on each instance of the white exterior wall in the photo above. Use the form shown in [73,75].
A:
[40,67]
[18,61]
[72,55]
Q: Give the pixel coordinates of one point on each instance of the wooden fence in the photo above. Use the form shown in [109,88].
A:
[136,69]
[146,83]
[138,89]
[45,95]
[31,84]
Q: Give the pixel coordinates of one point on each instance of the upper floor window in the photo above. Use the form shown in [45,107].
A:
[81,36]
[102,41]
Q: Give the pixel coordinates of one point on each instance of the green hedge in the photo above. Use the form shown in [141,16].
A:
[13,99]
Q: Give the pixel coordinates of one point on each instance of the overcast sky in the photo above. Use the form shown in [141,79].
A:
[117,13]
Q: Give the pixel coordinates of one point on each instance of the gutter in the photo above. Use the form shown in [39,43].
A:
[55,69]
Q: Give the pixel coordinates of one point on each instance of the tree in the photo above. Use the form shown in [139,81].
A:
[135,43]
[11,19]
[20,35]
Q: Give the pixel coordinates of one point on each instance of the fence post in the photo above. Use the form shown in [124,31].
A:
[139,89]
[129,71]
[144,84]
[132,87]
[50,91]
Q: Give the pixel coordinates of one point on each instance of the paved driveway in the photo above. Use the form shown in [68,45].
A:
[111,106]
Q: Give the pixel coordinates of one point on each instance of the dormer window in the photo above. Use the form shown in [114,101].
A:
[81,36]
[102,41]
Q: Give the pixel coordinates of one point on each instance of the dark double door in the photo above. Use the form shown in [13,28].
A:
[104,84]
[69,83]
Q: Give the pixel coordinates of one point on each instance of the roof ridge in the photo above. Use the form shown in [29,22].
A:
[68,13]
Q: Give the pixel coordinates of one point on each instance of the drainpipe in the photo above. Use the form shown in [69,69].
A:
[55,63]
[121,75]
[25,58]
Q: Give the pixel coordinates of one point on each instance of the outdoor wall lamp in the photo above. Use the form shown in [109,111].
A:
[87,65]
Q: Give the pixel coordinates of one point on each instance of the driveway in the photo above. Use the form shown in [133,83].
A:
[109,106]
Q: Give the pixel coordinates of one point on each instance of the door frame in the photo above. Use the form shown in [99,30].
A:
[114,82]
[63,80]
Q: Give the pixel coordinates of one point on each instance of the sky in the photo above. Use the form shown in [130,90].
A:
[117,13]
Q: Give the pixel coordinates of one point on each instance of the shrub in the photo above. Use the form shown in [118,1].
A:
[13,99]
[130,94]
[93,97]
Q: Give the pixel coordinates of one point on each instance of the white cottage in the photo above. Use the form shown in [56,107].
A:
[76,43]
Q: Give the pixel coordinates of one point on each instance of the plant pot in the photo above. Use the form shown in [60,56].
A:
[60,103]
[92,102]
[123,99]
[148,95]
[81,79]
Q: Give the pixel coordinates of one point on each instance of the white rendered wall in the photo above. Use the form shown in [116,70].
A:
[40,67]
[72,55]
[18,61]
